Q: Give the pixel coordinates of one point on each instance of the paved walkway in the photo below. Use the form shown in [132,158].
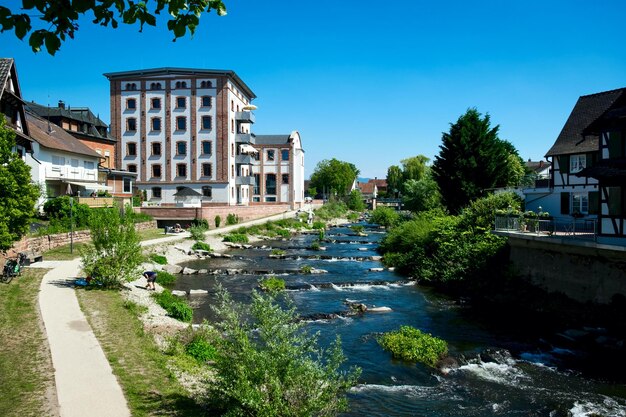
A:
[84,379]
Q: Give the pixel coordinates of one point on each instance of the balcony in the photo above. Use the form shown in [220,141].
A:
[248,180]
[244,116]
[95,201]
[243,159]
[244,138]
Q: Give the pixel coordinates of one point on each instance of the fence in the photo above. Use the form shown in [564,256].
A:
[556,226]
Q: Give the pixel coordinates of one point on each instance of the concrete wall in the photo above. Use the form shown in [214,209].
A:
[583,271]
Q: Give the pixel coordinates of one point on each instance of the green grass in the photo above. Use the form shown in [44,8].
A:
[236,238]
[62,253]
[142,369]
[26,372]
[158,259]
[176,307]
[150,234]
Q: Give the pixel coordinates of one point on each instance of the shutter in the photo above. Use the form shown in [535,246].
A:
[591,159]
[564,164]
[594,202]
[564,203]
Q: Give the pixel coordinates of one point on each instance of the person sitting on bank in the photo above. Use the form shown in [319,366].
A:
[177,228]
[151,277]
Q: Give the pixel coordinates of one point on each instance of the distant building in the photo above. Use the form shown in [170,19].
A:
[191,128]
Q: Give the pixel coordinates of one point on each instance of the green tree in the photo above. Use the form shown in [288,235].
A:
[114,255]
[19,194]
[422,194]
[268,365]
[355,201]
[385,216]
[472,160]
[394,180]
[57,20]
[414,168]
[334,176]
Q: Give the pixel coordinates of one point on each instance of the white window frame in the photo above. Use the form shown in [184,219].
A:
[577,163]
[580,203]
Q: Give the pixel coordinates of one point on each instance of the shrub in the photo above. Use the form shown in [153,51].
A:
[201,349]
[158,259]
[332,210]
[236,238]
[306,269]
[358,228]
[315,246]
[197,232]
[201,246]
[232,219]
[278,252]
[165,279]
[355,201]
[272,284]
[283,233]
[411,344]
[385,216]
[319,225]
[204,223]
[175,307]
[321,235]
[268,365]
[481,212]
[63,212]
[218,221]
[353,216]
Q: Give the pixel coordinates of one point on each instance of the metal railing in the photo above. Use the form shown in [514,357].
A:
[581,228]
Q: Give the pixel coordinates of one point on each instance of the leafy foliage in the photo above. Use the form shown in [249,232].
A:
[422,194]
[158,259]
[481,213]
[115,254]
[197,232]
[201,349]
[394,180]
[59,19]
[333,177]
[19,194]
[201,246]
[166,279]
[411,344]
[472,160]
[218,221]
[332,210]
[268,365]
[176,307]
[272,284]
[236,238]
[232,219]
[306,269]
[355,201]
[62,211]
[385,216]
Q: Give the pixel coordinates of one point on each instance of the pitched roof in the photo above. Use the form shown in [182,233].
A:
[156,72]
[537,166]
[5,70]
[56,137]
[379,183]
[272,139]
[367,187]
[187,192]
[587,109]
[81,114]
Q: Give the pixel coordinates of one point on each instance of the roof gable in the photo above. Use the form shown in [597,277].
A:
[52,136]
[588,109]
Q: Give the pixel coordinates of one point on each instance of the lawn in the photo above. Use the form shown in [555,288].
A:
[136,360]
[149,234]
[26,374]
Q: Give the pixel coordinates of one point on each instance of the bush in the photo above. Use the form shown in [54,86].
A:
[358,228]
[332,210]
[306,269]
[175,307]
[165,279]
[283,233]
[353,216]
[272,284]
[411,344]
[319,225]
[481,212]
[62,212]
[197,232]
[204,223]
[139,217]
[158,259]
[202,246]
[201,349]
[218,221]
[278,252]
[236,238]
[315,246]
[268,365]
[232,219]
[355,201]
[385,216]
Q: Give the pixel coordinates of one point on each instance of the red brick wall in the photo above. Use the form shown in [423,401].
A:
[243,212]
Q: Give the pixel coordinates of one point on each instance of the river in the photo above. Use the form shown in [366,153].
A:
[502,371]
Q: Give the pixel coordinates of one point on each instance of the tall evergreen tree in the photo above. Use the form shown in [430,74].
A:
[472,160]
[19,194]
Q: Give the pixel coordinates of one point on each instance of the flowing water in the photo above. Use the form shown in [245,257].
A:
[501,371]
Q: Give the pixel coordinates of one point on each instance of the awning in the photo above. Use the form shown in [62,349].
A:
[89,185]
[247,149]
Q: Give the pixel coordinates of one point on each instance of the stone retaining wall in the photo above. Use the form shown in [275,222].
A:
[186,214]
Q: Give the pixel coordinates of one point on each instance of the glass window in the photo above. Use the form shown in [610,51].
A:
[156,192]
[580,203]
[131,124]
[156,124]
[207,191]
[206,101]
[131,149]
[285,178]
[181,123]
[127,185]
[132,168]
[207,170]
[155,103]
[156,149]
[206,122]
[156,171]
[577,163]
[131,104]
[257,184]
[270,155]
[181,148]
[88,164]
[206,147]
[181,102]
[181,170]
[74,162]
[270,184]
[284,154]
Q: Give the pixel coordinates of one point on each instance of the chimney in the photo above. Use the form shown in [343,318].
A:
[61,104]
[540,163]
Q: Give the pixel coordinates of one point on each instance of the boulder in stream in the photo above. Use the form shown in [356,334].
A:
[196,292]
[179,293]
[376,269]
[173,269]
[189,271]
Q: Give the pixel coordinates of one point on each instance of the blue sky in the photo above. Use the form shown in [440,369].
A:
[367,82]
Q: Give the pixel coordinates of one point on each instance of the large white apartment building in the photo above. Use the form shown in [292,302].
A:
[186,132]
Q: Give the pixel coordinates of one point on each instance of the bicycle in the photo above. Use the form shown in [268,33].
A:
[13,268]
